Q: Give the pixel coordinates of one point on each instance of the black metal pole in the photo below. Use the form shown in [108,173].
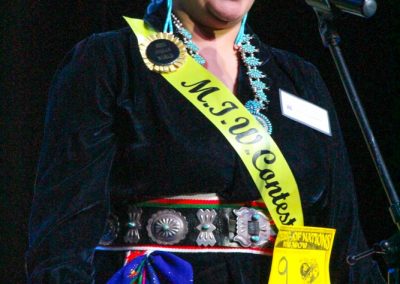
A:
[367,133]
[331,39]
[389,248]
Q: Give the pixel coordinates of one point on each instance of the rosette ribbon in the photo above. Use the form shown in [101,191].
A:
[154,268]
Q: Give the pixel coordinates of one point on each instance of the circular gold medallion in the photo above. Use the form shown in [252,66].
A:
[163,52]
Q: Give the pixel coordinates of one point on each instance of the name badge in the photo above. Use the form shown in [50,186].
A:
[305,112]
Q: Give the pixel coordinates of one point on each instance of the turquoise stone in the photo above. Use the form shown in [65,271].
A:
[255,217]
[186,33]
[132,225]
[253,105]
[245,38]
[192,46]
[199,59]
[255,239]
[165,227]
[258,84]
[252,61]
[255,74]
[205,227]
[249,48]
[261,95]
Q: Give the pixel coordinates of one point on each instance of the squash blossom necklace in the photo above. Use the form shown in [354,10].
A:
[247,54]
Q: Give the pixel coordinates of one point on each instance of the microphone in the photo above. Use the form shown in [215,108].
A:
[362,8]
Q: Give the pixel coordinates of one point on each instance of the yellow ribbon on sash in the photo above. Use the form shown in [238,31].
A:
[259,153]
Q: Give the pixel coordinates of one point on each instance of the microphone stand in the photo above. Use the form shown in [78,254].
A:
[390,248]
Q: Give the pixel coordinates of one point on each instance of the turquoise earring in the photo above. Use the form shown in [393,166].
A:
[168,26]
[239,36]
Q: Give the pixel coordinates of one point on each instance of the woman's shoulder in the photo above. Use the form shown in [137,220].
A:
[114,39]
[291,61]
[114,36]
[105,48]
[295,67]
[297,71]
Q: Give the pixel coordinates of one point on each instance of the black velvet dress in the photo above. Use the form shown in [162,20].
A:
[117,132]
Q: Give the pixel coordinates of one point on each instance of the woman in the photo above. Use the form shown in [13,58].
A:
[119,136]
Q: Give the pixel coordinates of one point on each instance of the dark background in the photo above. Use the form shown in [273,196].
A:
[35,35]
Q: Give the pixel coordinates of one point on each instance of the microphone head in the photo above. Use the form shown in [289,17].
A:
[362,8]
[369,8]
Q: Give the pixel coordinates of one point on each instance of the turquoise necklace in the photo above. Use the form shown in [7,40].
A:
[247,53]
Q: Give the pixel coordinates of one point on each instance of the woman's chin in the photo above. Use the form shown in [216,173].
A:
[225,13]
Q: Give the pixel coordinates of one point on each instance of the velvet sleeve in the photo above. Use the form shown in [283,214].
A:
[329,199]
[71,194]
[343,215]
[342,208]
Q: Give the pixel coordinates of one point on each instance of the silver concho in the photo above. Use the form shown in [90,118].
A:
[132,235]
[206,227]
[167,227]
[252,227]
[111,231]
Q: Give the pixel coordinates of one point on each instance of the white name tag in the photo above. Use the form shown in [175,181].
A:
[305,112]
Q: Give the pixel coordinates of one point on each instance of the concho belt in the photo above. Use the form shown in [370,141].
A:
[185,224]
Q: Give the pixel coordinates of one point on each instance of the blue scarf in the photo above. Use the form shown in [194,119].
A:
[154,268]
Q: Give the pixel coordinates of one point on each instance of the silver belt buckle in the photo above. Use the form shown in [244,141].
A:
[167,227]
[253,228]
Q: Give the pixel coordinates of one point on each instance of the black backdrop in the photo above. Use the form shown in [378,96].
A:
[36,34]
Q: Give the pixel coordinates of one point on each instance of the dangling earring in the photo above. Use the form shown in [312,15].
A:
[168,26]
[241,30]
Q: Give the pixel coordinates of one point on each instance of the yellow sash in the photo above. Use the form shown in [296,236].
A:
[301,253]
[259,153]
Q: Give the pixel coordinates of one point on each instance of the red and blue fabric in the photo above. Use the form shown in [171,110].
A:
[154,268]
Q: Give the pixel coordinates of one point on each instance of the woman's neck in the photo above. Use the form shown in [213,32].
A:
[217,48]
